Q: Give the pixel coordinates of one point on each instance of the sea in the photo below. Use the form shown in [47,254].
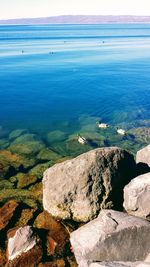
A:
[59,80]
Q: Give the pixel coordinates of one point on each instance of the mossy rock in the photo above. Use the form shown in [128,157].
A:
[30,148]
[27,214]
[48,154]
[37,190]
[56,136]
[20,195]
[11,163]
[25,138]
[16,133]
[141,134]
[4,143]
[5,184]
[24,179]
[39,169]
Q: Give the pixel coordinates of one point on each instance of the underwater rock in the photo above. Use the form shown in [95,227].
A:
[24,179]
[48,154]
[55,263]
[56,136]
[137,196]
[11,163]
[25,217]
[23,248]
[57,236]
[37,191]
[112,236]
[20,195]
[7,212]
[143,156]
[2,258]
[5,184]
[77,189]
[16,133]
[141,134]
[4,143]
[25,138]
[29,148]
[39,169]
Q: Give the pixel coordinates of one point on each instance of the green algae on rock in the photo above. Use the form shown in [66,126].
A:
[23,180]
[48,154]
[39,169]
[11,163]
[30,148]
[56,136]
[16,133]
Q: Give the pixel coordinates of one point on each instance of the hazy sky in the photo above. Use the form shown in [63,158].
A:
[44,8]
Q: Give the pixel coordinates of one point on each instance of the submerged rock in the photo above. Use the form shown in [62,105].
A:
[142,134]
[11,163]
[57,235]
[137,196]
[16,133]
[78,188]
[23,180]
[56,136]
[7,212]
[4,143]
[28,148]
[48,154]
[39,169]
[112,236]
[23,248]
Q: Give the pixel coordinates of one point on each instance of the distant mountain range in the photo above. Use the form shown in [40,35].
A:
[79,19]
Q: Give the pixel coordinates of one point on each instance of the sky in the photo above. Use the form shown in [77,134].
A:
[46,8]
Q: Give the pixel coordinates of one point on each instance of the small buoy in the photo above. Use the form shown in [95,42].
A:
[121,131]
[82,140]
[102,125]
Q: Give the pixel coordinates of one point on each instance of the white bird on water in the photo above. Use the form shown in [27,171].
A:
[121,131]
[82,140]
[102,125]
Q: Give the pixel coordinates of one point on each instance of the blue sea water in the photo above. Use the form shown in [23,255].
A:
[65,77]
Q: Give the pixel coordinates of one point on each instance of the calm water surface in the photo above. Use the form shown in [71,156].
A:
[65,77]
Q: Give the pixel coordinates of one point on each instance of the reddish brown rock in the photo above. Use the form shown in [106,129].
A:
[2,258]
[29,259]
[55,231]
[51,245]
[56,263]
[7,212]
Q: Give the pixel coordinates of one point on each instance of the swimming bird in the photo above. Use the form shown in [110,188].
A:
[82,140]
[102,125]
[121,131]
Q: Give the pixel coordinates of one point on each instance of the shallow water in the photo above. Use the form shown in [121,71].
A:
[66,77]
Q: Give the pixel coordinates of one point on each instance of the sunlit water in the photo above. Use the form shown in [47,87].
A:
[66,77]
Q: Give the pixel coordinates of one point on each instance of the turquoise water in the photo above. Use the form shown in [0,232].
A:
[66,77]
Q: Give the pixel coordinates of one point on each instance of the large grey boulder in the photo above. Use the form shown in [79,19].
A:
[143,156]
[137,196]
[112,236]
[78,188]
[120,264]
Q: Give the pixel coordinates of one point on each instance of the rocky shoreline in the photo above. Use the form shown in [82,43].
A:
[98,201]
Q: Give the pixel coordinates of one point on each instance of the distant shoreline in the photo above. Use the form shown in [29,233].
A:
[79,20]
